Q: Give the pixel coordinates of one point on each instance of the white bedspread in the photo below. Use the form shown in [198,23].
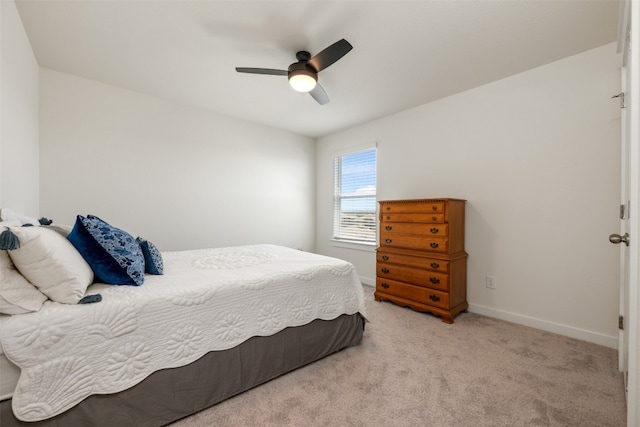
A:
[210,299]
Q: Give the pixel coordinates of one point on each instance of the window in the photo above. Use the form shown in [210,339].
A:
[354,197]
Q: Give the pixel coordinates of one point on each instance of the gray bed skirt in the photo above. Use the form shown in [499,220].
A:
[171,394]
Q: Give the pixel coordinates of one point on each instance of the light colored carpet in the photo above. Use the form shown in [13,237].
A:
[414,370]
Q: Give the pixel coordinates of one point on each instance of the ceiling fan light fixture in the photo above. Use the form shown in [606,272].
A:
[302,80]
[303,75]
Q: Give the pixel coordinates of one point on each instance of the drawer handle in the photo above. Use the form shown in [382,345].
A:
[434,230]
[433,245]
[435,208]
[385,270]
[385,286]
[388,228]
[435,265]
[434,280]
[388,217]
[434,298]
[434,218]
[385,258]
[388,208]
[387,240]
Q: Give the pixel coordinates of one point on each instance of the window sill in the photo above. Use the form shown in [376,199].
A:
[367,247]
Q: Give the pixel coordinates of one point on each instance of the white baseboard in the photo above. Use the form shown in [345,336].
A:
[556,328]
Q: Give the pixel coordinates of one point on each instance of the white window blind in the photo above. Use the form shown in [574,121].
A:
[354,213]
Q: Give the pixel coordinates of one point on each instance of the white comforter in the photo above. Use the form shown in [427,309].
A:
[211,299]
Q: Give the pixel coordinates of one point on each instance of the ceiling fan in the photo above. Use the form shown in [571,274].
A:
[303,75]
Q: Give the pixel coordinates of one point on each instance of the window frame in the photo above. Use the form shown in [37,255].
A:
[363,245]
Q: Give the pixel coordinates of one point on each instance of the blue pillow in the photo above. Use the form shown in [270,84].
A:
[113,254]
[152,256]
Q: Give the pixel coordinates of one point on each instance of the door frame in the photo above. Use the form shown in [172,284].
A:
[629,38]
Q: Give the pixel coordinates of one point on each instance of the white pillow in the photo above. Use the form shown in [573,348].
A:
[11,223]
[11,216]
[17,295]
[51,263]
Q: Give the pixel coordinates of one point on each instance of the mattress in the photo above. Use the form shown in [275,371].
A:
[207,300]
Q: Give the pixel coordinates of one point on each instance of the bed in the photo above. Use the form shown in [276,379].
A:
[216,323]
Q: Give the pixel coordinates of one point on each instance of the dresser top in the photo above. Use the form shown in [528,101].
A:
[441,199]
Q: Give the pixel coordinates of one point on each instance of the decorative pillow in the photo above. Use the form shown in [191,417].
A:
[113,254]
[11,216]
[51,264]
[17,295]
[10,223]
[152,257]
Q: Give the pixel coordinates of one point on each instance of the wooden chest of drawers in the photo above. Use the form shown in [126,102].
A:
[421,262]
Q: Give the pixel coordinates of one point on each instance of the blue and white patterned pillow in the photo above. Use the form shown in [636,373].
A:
[113,254]
[152,257]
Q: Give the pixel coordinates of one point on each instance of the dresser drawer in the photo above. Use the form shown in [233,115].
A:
[411,241]
[440,230]
[439,265]
[428,218]
[413,293]
[430,279]
[422,206]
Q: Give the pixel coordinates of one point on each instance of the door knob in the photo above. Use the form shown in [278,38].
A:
[616,238]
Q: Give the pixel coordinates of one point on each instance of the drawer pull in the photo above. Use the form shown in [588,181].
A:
[388,228]
[387,240]
[434,230]
[433,245]
[435,265]
[388,218]
[434,280]
[434,298]
[434,218]
[385,270]
[385,286]
[435,208]
[385,258]
[388,208]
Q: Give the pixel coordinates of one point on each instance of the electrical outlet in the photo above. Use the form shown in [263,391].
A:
[491,282]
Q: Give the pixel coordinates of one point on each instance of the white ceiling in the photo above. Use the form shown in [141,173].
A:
[406,53]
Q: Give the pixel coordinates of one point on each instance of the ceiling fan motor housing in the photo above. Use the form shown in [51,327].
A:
[302,67]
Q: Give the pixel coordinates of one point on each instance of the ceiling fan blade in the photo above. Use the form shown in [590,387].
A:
[330,55]
[319,94]
[268,71]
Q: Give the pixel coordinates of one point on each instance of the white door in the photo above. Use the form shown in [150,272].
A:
[629,235]
[623,238]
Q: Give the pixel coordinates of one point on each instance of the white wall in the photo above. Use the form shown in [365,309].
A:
[18,115]
[537,157]
[179,176]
